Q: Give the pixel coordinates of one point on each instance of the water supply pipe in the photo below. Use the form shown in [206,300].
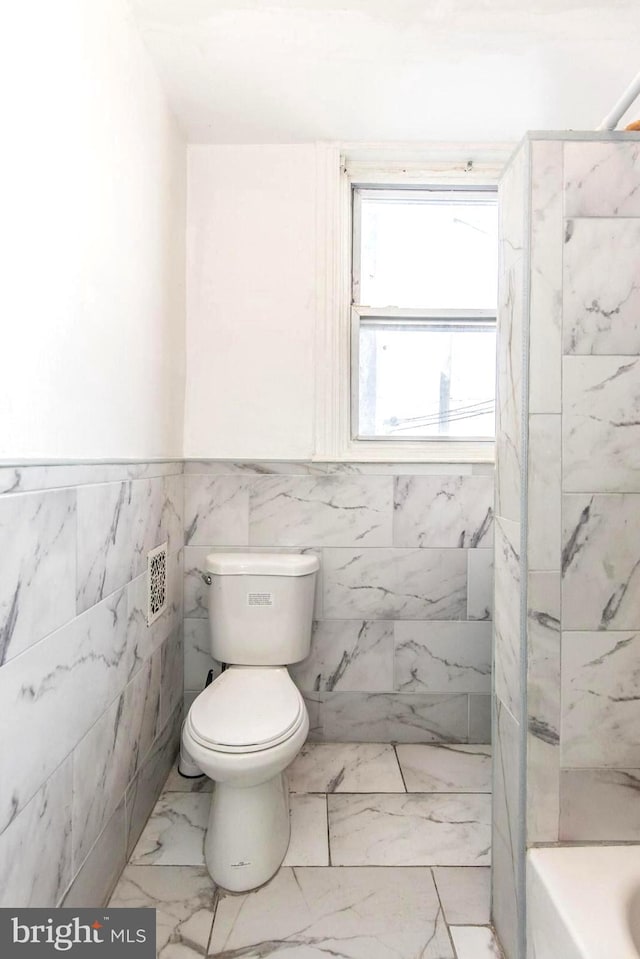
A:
[610,122]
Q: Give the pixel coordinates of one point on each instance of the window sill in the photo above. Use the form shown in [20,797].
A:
[434,452]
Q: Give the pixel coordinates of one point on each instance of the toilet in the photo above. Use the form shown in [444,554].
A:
[249,724]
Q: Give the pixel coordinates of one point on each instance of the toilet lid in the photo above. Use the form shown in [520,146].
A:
[245,707]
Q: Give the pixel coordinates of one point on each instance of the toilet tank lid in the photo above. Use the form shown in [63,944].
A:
[262,564]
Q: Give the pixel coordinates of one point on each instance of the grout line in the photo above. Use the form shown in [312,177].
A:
[444,915]
[395,750]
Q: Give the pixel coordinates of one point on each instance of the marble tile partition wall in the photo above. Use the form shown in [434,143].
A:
[508,737]
[566,663]
[401,647]
[599,750]
[91,697]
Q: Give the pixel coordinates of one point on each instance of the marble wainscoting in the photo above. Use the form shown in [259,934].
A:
[92,696]
[401,647]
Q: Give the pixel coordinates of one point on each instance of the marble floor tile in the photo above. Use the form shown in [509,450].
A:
[180,784]
[465,893]
[183,897]
[345,768]
[352,913]
[175,831]
[445,769]
[411,830]
[475,942]
[309,843]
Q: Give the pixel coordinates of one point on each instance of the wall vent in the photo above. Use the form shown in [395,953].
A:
[156,582]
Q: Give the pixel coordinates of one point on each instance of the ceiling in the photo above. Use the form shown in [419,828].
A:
[272,71]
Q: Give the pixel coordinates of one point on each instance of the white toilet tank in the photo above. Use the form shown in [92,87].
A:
[261,607]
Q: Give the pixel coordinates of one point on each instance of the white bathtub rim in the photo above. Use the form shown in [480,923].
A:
[591,888]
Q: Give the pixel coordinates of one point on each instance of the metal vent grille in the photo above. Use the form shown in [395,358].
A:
[156,582]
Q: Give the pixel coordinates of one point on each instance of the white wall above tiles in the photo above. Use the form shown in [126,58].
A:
[251,279]
[93,235]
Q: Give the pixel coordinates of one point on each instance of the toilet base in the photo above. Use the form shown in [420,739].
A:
[248,833]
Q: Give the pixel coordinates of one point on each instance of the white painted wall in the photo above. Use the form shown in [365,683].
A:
[92,237]
[251,264]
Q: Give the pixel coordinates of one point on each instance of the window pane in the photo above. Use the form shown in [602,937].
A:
[434,380]
[426,250]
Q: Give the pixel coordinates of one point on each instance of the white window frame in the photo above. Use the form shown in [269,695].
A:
[339,169]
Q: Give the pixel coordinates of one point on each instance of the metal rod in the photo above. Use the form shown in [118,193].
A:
[610,122]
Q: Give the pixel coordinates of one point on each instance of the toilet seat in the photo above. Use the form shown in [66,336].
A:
[246,709]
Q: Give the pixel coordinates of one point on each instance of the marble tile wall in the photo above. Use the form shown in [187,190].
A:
[507,838]
[401,647]
[92,697]
[570,437]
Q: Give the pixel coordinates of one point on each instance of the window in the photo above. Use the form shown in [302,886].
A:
[423,318]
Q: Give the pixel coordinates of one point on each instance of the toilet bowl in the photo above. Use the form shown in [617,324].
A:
[243,731]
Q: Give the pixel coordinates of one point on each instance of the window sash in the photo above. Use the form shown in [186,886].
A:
[418,194]
[409,319]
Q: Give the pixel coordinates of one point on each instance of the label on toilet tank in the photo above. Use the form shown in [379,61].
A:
[260,599]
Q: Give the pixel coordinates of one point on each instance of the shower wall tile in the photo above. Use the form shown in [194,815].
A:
[545,496]
[480,584]
[395,584]
[443,511]
[392,717]
[510,332]
[442,657]
[543,702]
[84,665]
[509,395]
[117,524]
[600,805]
[545,311]
[600,699]
[506,841]
[216,510]
[601,317]
[507,615]
[321,511]
[347,655]
[37,586]
[506,909]
[601,179]
[601,561]
[35,850]
[601,405]
[506,780]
